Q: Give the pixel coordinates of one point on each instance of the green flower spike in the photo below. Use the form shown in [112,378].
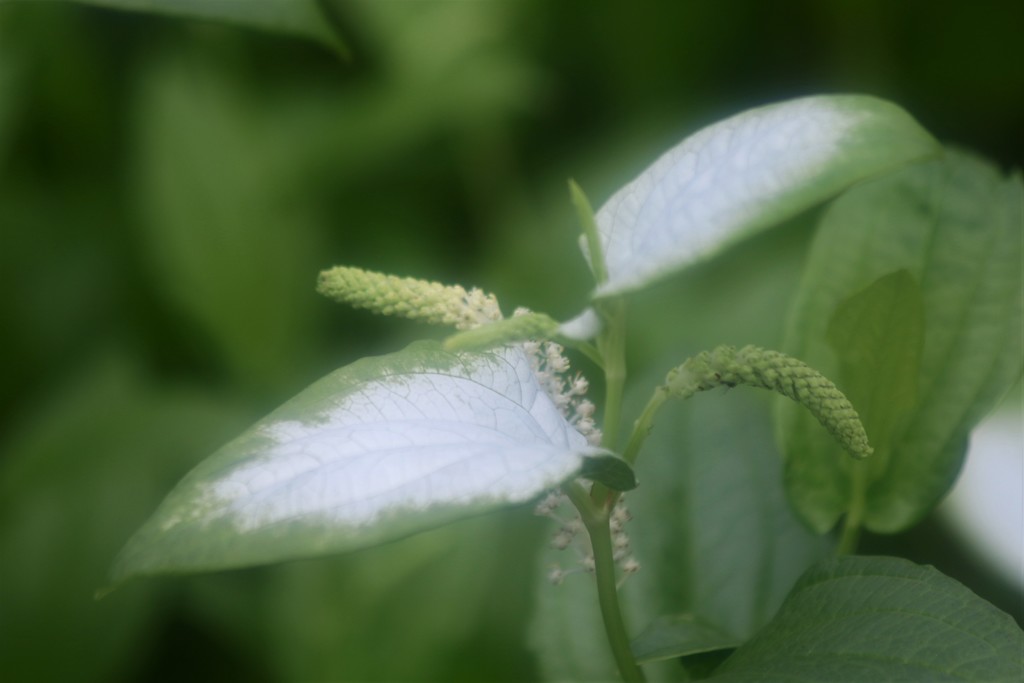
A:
[757,367]
[408,297]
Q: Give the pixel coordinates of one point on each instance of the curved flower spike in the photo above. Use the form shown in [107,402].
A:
[754,366]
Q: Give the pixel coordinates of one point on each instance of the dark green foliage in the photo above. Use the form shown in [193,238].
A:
[170,187]
[881,619]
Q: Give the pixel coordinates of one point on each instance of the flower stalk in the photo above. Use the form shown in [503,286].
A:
[596,520]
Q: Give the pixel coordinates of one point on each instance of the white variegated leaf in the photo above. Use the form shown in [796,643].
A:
[583,327]
[382,448]
[745,173]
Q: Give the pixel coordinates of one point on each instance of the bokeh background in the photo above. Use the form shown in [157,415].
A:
[169,190]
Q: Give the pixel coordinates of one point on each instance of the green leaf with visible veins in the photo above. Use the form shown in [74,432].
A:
[304,18]
[878,334]
[860,619]
[912,300]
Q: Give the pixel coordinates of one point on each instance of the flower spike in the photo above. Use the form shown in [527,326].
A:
[753,366]
[408,297]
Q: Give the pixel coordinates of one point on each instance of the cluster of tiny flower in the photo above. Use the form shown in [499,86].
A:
[477,308]
[551,367]
[568,535]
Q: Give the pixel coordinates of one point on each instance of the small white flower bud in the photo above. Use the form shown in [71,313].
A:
[585,408]
[562,539]
[556,575]
[585,425]
[547,506]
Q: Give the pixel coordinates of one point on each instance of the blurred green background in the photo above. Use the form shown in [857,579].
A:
[169,190]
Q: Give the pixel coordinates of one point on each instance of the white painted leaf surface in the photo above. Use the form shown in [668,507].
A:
[583,327]
[748,172]
[380,449]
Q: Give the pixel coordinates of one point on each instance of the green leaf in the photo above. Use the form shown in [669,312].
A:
[679,636]
[380,449]
[216,185]
[75,479]
[878,335]
[610,470]
[746,173]
[304,18]
[446,599]
[590,239]
[13,75]
[711,530]
[918,275]
[881,619]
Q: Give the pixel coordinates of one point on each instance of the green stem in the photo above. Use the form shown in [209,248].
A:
[611,343]
[595,519]
[644,423]
[588,350]
[608,597]
[590,233]
[595,508]
[855,514]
